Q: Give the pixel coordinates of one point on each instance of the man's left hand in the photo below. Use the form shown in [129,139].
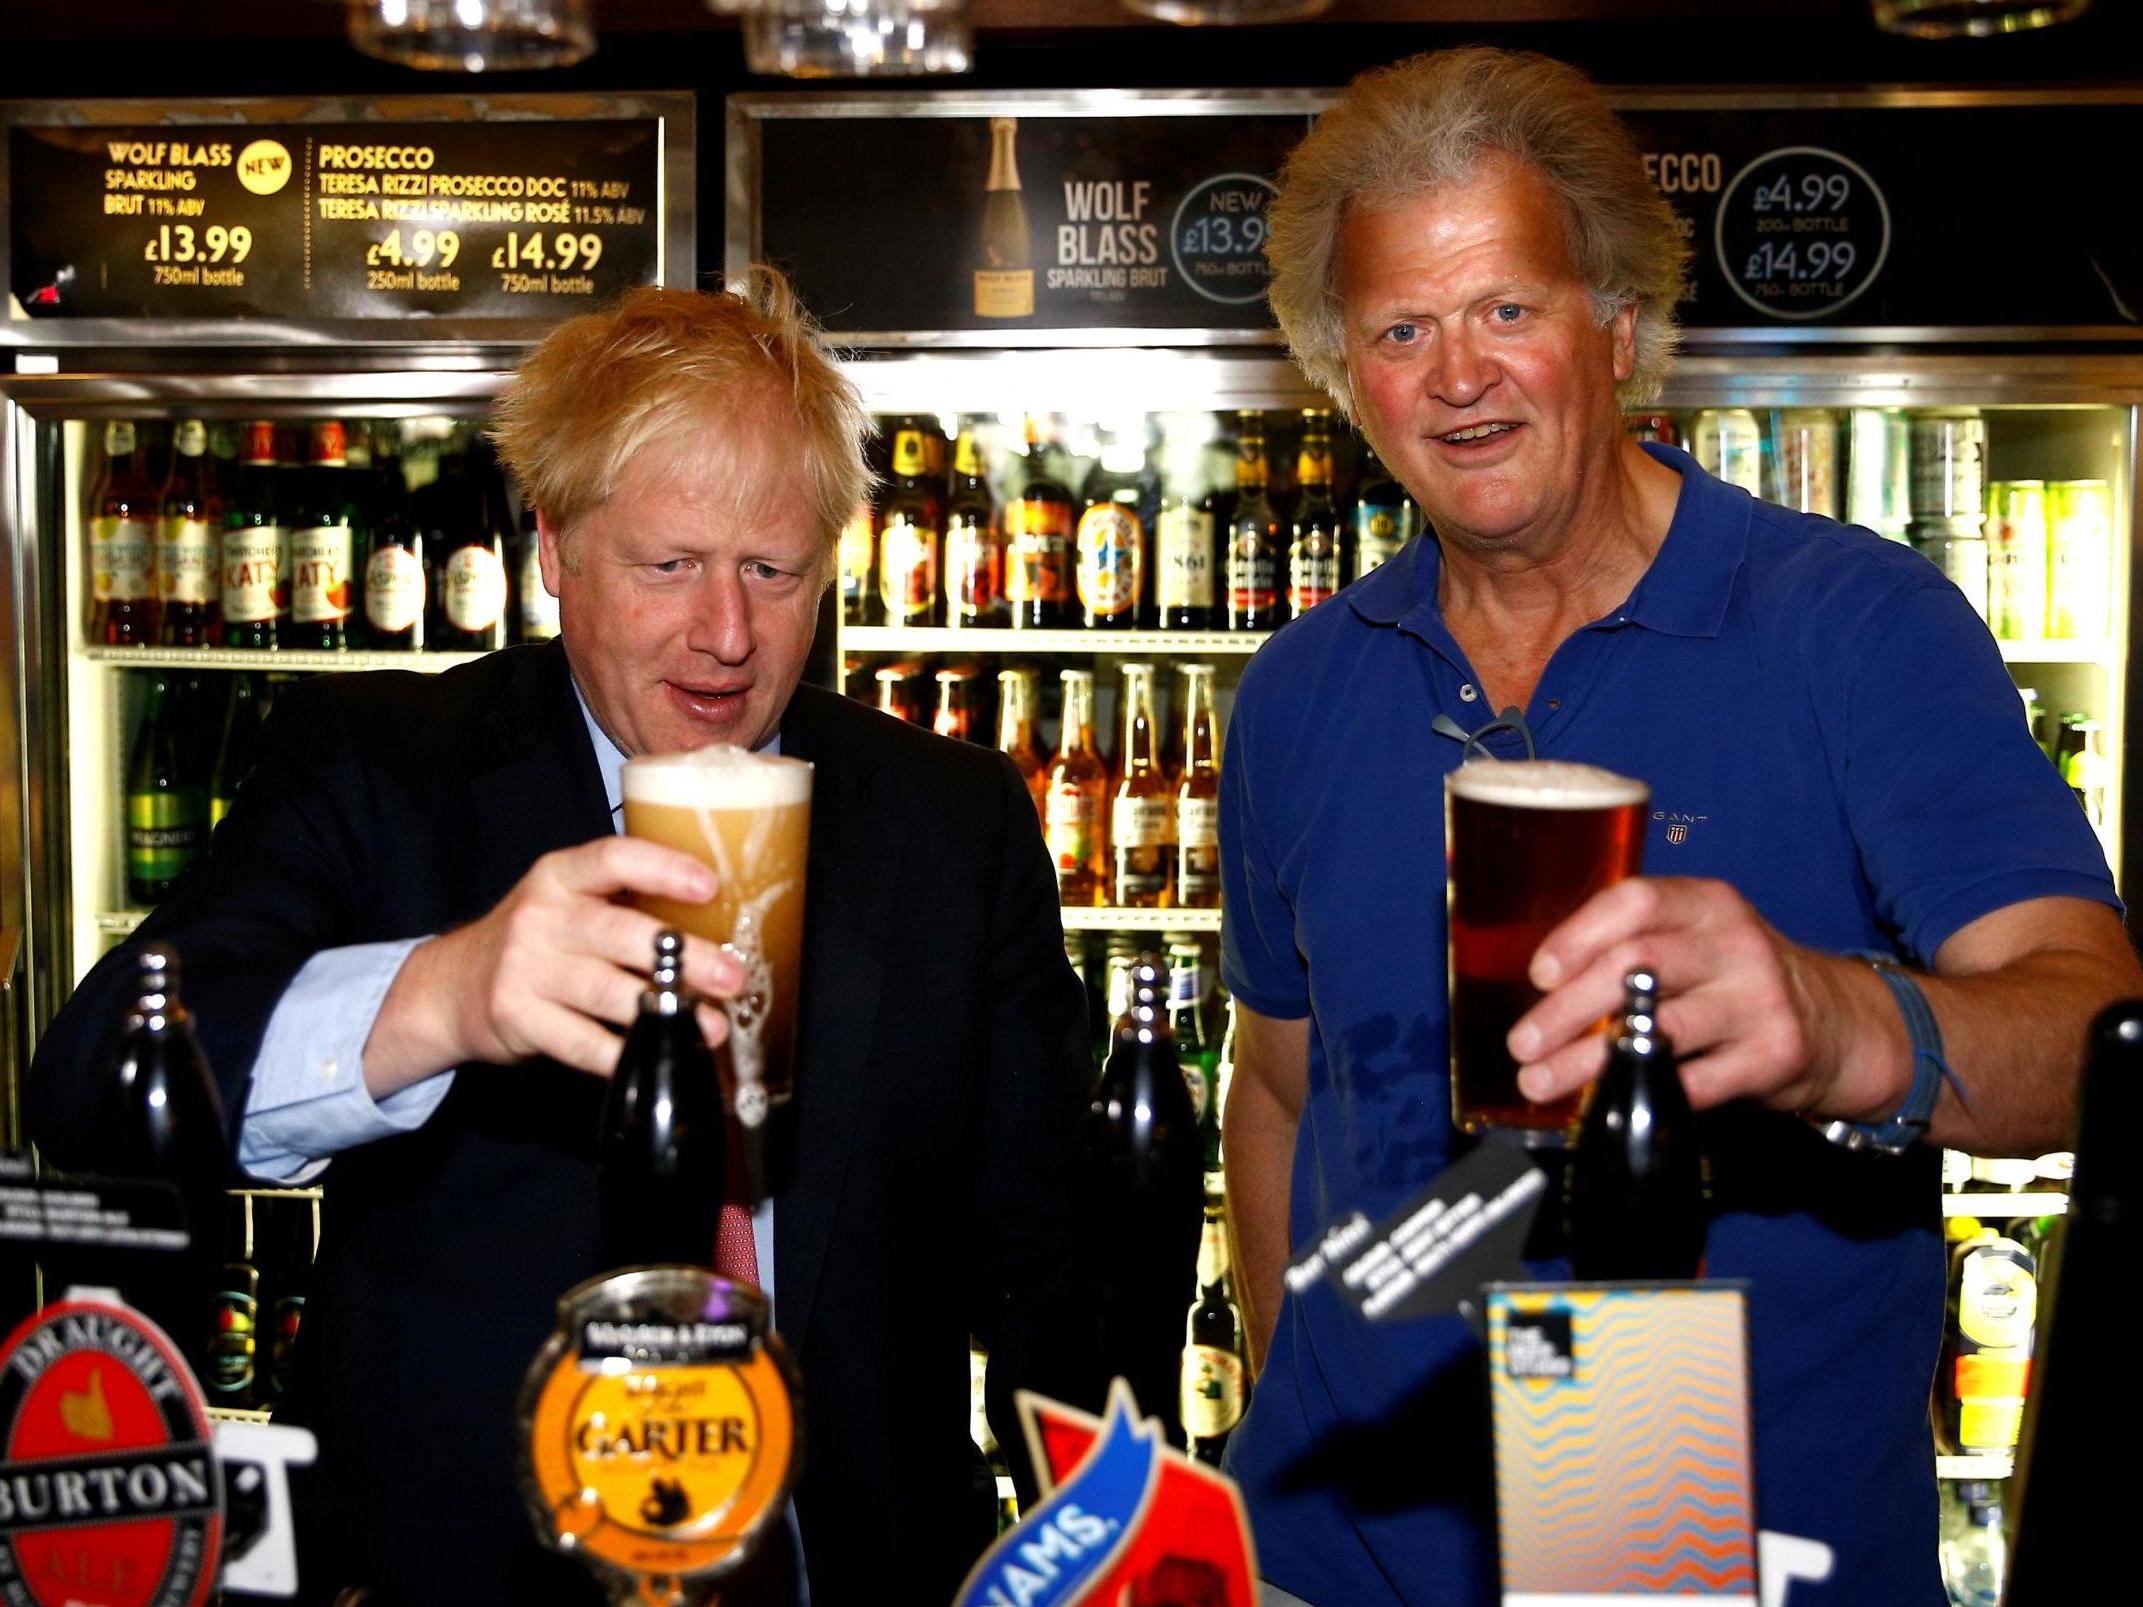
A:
[1745,1008]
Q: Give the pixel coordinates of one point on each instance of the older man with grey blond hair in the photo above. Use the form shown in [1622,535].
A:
[1470,259]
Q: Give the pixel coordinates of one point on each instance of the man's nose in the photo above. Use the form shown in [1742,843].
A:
[721,625]
[1463,369]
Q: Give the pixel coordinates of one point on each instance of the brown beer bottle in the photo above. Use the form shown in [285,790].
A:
[1110,545]
[1142,816]
[162,1118]
[1254,536]
[122,542]
[974,546]
[662,1162]
[859,594]
[955,717]
[910,529]
[1072,814]
[1198,795]
[465,527]
[1314,563]
[1015,734]
[323,545]
[1637,1180]
[256,549]
[1038,535]
[187,550]
[895,694]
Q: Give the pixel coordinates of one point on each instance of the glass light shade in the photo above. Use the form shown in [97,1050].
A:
[1228,13]
[473,36]
[1972,19]
[856,38]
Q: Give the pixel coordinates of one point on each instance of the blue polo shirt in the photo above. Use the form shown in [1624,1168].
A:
[1824,723]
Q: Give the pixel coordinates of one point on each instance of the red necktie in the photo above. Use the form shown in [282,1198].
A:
[736,1257]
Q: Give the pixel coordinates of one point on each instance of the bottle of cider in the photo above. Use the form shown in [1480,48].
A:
[1254,537]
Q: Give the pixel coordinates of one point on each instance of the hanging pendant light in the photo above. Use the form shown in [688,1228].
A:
[473,36]
[1972,19]
[1228,13]
[854,38]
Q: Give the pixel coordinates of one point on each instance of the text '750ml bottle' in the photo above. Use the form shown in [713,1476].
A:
[662,1165]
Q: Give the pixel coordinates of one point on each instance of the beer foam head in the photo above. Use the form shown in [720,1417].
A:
[1544,784]
[718,777]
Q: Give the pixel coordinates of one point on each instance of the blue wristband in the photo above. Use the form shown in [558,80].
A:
[1929,1071]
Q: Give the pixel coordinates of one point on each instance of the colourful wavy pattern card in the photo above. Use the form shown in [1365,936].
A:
[1622,1443]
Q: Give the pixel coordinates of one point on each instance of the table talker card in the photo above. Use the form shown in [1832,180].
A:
[1622,1443]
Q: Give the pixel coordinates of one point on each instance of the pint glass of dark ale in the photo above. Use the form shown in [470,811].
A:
[1526,843]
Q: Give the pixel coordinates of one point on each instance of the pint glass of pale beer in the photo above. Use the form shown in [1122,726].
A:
[747,817]
[1526,842]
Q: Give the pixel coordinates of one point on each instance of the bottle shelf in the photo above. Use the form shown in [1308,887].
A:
[2060,652]
[1975,1467]
[1079,918]
[261,658]
[1996,1202]
[940,639]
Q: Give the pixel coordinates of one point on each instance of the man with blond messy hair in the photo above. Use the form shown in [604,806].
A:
[409,954]
[1469,258]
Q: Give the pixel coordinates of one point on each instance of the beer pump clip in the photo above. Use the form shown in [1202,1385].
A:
[660,1432]
[1124,1520]
[114,1471]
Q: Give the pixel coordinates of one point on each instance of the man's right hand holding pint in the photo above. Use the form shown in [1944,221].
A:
[555,965]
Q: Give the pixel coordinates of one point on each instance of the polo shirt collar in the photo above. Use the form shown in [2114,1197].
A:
[1684,593]
[1686,590]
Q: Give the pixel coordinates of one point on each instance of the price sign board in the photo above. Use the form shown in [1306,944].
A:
[1140,217]
[208,218]
[980,219]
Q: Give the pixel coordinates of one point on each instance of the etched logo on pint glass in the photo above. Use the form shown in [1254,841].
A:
[1526,842]
[747,817]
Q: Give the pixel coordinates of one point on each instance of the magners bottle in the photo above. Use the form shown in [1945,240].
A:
[1637,1205]
[1073,813]
[166,799]
[1142,815]
[1314,559]
[662,1165]
[1255,540]
[187,549]
[1198,795]
[234,747]
[1146,1192]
